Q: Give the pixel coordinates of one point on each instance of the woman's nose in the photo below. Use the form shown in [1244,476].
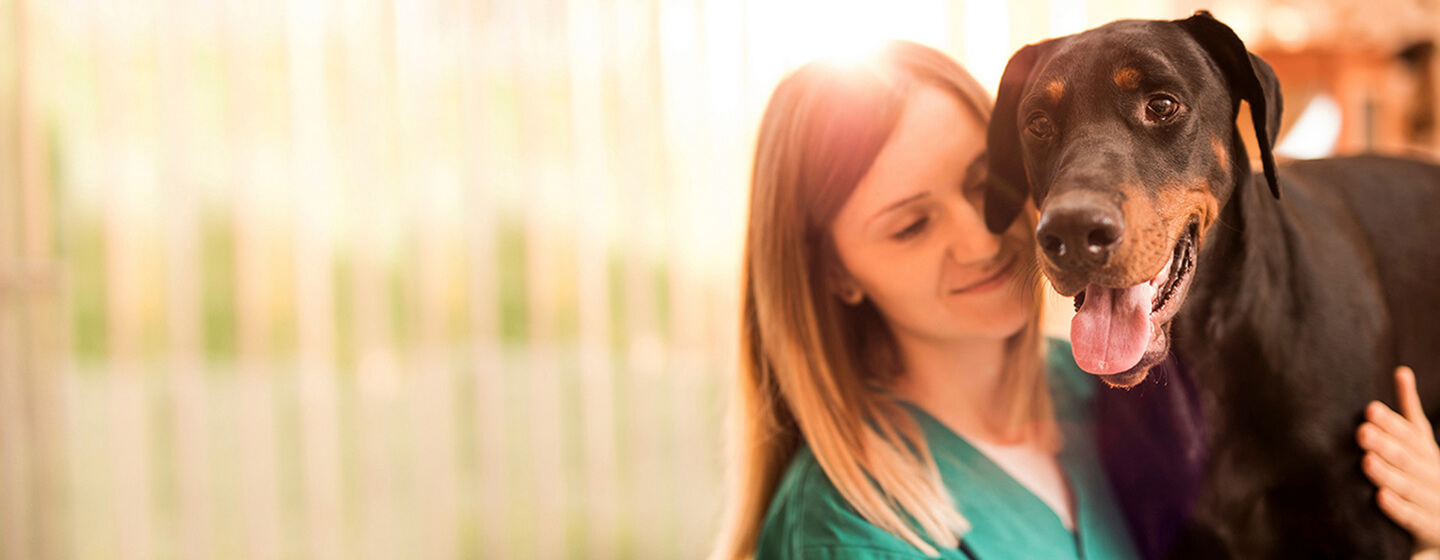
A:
[970,241]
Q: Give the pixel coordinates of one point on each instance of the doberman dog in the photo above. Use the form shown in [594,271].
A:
[1252,317]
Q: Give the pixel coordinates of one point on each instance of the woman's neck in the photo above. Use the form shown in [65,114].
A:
[958,383]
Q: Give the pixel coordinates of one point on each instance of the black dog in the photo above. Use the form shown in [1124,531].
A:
[1285,314]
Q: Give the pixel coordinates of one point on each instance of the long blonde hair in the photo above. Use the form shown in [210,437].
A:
[810,366]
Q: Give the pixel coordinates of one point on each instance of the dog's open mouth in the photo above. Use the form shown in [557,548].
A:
[1120,333]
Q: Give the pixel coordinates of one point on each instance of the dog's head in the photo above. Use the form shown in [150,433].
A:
[1125,138]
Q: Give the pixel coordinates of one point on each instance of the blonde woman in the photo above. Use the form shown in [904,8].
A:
[895,399]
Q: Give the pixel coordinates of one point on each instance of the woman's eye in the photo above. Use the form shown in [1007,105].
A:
[1040,127]
[913,229]
[1161,108]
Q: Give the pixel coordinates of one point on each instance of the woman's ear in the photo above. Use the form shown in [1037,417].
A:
[844,286]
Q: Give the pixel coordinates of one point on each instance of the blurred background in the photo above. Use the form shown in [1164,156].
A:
[286,279]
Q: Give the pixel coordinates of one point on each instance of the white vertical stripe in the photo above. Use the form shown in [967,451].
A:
[478,74]
[592,184]
[251,191]
[128,441]
[315,201]
[428,182]
[545,217]
[191,517]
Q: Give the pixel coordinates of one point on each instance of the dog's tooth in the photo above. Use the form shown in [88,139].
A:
[1164,274]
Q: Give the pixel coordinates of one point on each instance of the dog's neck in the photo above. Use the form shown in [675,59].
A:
[1247,285]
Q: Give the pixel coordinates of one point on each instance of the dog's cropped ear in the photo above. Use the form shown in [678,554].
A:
[1250,79]
[1008,185]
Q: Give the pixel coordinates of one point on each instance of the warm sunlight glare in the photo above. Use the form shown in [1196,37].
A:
[790,33]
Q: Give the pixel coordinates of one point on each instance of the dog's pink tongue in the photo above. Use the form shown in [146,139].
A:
[1112,329]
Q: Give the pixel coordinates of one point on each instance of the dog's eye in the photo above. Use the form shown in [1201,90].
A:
[1040,127]
[1161,107]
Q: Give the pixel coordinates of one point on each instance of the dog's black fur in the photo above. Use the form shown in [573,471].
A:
[1310,286]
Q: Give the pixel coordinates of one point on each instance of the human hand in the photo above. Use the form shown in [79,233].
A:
[1403,460]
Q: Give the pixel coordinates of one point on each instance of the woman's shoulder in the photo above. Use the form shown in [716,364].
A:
[809,518]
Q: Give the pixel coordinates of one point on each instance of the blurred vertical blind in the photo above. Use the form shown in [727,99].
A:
[383,279]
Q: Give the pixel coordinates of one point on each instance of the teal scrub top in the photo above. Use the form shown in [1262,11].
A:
[808,518]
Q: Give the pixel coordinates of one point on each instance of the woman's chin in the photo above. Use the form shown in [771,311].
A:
[1012,328]
[999,324]
[1001,318]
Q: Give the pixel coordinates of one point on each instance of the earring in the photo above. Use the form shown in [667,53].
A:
[852,296]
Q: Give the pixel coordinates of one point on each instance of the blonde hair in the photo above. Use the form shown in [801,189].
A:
[810,366]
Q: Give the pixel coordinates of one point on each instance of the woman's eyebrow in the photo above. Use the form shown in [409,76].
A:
[902,202]
[896,205]
[906,200]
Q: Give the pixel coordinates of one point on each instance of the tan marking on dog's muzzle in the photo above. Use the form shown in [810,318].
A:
[1181,202]
[1222,155]
[1153,226]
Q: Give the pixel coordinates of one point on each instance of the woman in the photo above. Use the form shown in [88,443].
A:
[894,395]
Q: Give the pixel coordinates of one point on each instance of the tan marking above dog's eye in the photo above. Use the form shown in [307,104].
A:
[1055,90]
[1127,78]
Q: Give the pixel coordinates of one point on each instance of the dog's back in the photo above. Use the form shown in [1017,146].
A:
[1356,228]
[1396,203]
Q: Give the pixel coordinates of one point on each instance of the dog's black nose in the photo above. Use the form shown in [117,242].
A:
[1079,231]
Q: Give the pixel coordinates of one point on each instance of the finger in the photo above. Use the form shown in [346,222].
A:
[1410,398]
[1404,513]
[1372,438]
[1390,421]
[1402,485]
[1410,517]
[1385,475]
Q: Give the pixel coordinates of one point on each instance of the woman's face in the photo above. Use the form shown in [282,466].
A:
[912,235]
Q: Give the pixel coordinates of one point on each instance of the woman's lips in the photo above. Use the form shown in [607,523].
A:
[995,280]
